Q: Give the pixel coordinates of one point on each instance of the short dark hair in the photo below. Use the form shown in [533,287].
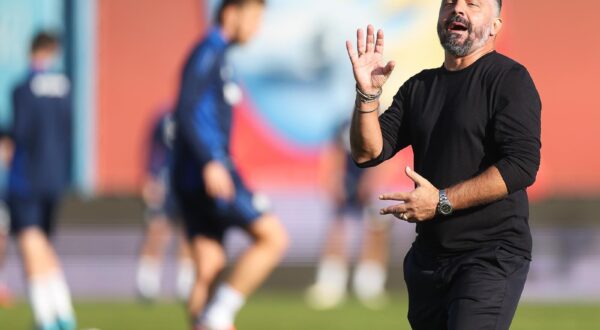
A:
[44,40]
[226,3]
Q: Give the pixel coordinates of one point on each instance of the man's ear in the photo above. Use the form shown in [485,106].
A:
[496,27]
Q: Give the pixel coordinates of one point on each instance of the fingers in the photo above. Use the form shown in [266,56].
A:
[379,42]
[399,196]
[360,42]
[416,177]
[394,209]
[405,217]
[351,52]
[369,44]
[370,38]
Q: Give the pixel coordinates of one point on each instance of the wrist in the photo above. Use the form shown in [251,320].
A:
[444,206]
[365,108]
[367,96]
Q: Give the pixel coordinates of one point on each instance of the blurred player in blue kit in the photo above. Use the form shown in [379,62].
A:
[212,195]
[351,189]
[162,216]
[6,148]
[39,174]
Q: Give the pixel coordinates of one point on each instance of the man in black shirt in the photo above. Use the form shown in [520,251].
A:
[474,126]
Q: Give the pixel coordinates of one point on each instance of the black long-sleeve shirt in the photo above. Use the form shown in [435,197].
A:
[460,123]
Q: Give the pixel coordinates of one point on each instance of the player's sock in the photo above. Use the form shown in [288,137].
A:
[333,273]
[5,294]
[41,303]
[61,299]
[148,278]
[185,278]
[329,289]
[369,283]
[222,309]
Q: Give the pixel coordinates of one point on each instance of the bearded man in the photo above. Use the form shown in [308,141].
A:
[474,126]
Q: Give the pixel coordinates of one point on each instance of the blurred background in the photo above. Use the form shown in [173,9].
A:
[124,59]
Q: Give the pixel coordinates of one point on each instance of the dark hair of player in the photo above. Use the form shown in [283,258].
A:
[226,3]
[44,40]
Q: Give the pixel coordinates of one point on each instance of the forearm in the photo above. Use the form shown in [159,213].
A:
[365,133]
[485,188]
[204,139]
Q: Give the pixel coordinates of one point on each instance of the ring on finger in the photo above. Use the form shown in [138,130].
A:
[403,216]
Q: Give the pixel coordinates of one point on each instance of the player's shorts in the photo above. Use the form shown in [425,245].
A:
[205,216]
[29,212]
[168,209]
[356,208]
[352,206]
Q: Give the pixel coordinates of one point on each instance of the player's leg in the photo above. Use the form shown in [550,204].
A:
[59,290]
[5,294]
[205,238]
[270,242]
[485,292]
[38,262]
[329,289]
[49,296]
[40,265]
[209,260]
[371,271]
[185,268]
[156,238]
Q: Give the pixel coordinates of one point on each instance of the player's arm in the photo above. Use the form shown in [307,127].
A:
[202,129]
[517,130]
[6,149]
[198,122]
[23,118]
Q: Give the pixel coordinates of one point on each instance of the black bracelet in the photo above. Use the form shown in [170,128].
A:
[357,109]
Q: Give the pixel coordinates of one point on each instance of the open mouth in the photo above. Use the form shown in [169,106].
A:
[457,27]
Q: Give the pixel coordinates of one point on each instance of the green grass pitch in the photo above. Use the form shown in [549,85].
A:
[286,311]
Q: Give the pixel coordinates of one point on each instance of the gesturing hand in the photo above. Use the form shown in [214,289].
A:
[417,205]
[370,71]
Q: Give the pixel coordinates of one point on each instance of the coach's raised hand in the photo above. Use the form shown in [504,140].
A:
[370,71]
[371,74]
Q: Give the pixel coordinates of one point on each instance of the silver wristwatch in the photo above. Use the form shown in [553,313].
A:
[444,206]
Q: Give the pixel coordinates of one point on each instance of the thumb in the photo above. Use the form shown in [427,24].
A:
[416,177]
[389,67]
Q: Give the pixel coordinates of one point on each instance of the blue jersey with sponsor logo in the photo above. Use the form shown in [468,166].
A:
[41,132]
[203,115]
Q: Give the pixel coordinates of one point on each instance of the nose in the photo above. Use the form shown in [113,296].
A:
[460,7]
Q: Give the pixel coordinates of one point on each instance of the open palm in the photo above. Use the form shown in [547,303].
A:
[370,71]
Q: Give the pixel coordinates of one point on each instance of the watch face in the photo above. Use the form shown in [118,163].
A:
[445,209]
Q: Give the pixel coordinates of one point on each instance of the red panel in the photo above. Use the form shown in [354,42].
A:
[142,45]
[557,42]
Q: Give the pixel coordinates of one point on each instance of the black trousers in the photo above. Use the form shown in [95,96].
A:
[479,290]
